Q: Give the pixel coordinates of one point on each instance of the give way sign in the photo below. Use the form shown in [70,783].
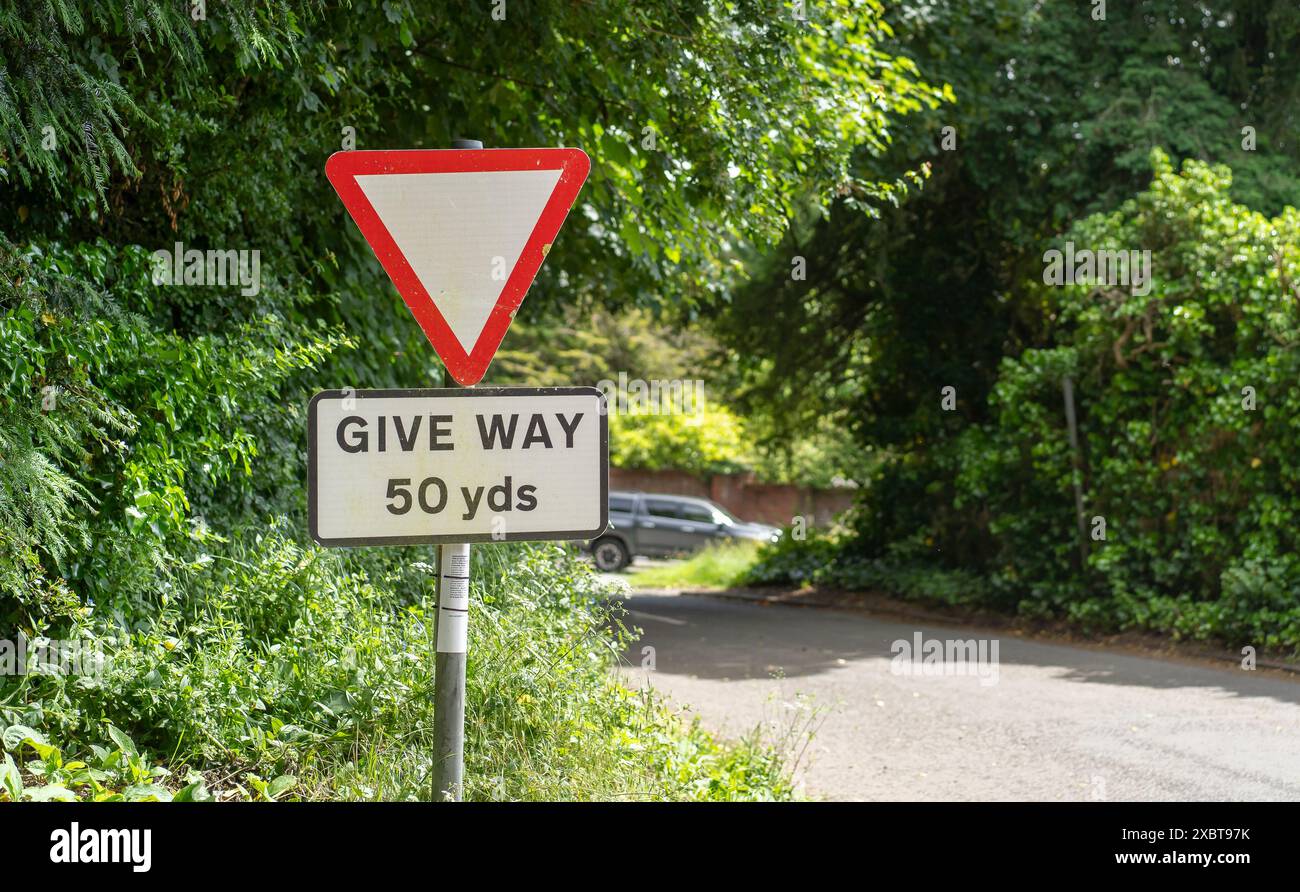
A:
[483,464]
[461,232]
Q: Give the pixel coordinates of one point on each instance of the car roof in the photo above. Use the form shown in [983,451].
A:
[677,497]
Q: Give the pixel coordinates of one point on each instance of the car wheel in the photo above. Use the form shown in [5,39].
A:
[610,555]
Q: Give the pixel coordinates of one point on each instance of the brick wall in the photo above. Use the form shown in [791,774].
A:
[773,503]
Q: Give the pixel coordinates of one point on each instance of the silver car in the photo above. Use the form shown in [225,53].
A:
[659,525]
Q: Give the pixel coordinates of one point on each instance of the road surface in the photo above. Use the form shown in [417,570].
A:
[1055,723]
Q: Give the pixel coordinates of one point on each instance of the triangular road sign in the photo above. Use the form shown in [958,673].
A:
[461,232]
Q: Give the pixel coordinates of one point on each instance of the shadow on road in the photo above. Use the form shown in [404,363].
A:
[728,640]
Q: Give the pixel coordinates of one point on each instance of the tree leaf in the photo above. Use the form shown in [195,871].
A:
[16,735]
[124,743]
[146,793]
[51,793]
[280,785]
[11,779]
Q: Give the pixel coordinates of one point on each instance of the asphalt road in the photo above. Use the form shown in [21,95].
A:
[1057,723]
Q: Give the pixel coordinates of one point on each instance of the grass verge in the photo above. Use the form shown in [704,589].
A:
[719,565]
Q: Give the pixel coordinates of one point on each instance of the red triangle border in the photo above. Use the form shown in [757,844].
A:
[342,169]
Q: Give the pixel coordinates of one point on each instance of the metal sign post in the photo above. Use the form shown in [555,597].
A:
[449,673]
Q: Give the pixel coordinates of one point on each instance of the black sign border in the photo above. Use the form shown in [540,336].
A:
[453,392]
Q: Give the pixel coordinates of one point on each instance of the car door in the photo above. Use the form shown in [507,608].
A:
[696,525]
[659,526]
[622,515]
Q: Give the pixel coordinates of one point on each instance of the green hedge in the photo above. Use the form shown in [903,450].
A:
[1200,492]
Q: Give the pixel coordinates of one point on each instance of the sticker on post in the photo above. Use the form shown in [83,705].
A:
[411,467]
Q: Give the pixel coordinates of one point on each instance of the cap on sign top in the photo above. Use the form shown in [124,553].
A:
[461,233]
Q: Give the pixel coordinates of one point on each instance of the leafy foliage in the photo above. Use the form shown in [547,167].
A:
[589,346]
[705,122]
[1055,117]
[113,429]
[634,345]
[829,558]
[284,671]
[710,441]
[1051,137]
[117,773]
[1187,409]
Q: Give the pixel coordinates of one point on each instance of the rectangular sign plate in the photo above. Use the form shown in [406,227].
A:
[488,464]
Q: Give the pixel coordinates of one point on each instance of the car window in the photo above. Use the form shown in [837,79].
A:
[663,508]
[695,512]
[621,503]
[722,515]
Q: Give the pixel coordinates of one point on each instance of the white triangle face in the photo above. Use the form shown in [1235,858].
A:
[461,233]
